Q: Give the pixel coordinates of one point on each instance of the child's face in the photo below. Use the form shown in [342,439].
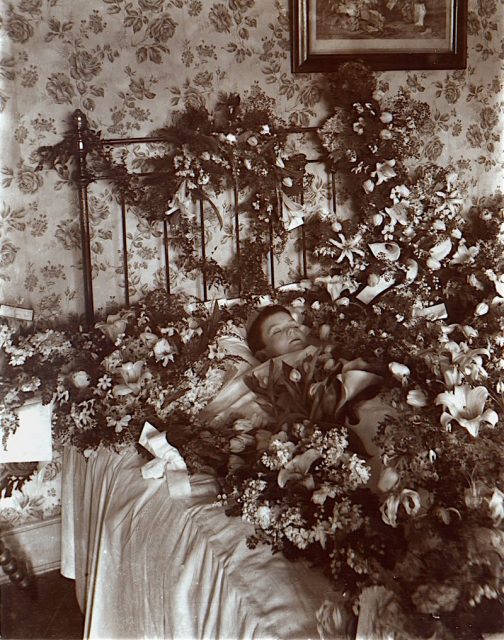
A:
[281,334]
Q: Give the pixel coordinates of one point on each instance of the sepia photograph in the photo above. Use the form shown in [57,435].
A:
[251,320]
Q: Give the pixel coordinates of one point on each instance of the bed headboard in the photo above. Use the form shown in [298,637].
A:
[84,141]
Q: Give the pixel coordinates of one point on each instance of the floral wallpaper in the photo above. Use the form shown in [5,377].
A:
[129,65]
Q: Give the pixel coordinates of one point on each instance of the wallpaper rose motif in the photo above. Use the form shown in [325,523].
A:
[129,64]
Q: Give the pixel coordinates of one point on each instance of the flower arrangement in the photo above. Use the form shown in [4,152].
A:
[412,282]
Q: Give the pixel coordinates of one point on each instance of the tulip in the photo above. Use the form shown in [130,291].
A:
[399,371]
[496,506]
[279,162]
[243,425]
[377,219]
[482,309]
[240,442]
[389,510]
[410,500]
[386,117]
[113,327]
[416,398]
[287,182]
[388,479]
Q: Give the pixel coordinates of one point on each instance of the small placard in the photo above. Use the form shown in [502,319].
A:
[7,311]
[32,441]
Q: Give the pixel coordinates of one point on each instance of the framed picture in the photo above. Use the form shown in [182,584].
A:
[385,34]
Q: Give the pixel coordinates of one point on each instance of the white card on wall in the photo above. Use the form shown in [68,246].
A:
[32,441]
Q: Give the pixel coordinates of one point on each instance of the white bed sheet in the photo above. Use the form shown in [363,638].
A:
[148,565]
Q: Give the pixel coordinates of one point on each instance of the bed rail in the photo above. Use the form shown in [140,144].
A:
[81,137]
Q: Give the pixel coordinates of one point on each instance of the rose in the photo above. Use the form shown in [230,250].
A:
[489,118]
[18,28]
[452,93]
[162,29]
[80,379]
[28,181]
[58,86]
[7,253]
[84,65]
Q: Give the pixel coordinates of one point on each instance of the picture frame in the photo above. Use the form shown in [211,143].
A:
[385,34]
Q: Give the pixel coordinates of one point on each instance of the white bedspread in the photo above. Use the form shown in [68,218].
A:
[147,565]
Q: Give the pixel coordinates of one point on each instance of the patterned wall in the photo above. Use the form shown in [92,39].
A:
[128,64]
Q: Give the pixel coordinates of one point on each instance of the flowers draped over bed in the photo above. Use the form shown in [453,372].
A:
[414,283]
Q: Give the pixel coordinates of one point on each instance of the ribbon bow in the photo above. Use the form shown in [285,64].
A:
[167,461]
[293,213]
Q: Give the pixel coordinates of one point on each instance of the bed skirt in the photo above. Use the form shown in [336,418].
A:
[148,565]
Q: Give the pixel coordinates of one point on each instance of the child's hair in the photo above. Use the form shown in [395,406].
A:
[254,332]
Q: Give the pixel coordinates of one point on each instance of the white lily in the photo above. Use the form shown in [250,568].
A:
[466,406]
[348,247]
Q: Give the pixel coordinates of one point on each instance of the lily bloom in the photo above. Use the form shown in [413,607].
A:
[466,405]
[113,327]
[384,171]
[348,247]
[131,373]
[298,469]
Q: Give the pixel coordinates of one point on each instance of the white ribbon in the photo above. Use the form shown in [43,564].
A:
[167,462]
[369,293]
[436,312]
[181,201]
[293,213]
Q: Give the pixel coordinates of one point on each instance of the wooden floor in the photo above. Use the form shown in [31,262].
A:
[48,609]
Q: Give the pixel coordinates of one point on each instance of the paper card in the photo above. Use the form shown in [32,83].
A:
[7,311]
[32,441]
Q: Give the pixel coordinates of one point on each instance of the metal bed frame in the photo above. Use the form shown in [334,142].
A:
[81,148]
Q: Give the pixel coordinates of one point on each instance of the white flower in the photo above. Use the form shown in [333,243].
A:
[385,134]
[80,379]
[348,247]
[252,141]
[384,171]
[466,405]
[400,371]
[368,186]
[279,162]
[482,309]
[388,479]
[386,117]
[496,506]
[416,398]
[163,351]
[295,375]
[114,327]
